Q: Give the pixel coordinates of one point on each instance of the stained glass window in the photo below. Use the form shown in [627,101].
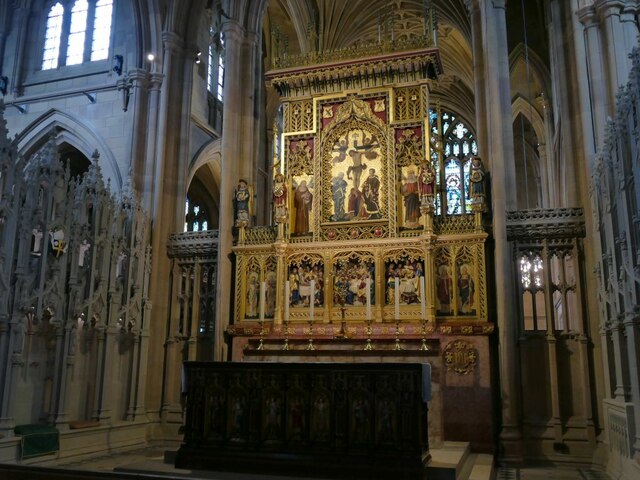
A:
[452,145]
[52,37]
[77,31]
[101,30]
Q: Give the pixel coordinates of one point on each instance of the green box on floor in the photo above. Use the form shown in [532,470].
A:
[37,439]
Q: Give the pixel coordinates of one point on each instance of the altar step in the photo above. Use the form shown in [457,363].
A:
[454,461]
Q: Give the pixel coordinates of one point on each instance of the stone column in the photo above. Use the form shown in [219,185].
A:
[500,154]
[478,73]
[163,173]
[619,36]
[550,174]
[237,162]
[20,23]
[596,106]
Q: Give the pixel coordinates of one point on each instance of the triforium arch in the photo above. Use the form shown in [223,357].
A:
[69,129]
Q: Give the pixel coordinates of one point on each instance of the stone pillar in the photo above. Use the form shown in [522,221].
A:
[500,153]
[138,83]
[237,158]
[478,73]
[619,36]
[19,21]
[596,106]
[550,174]
[163,174]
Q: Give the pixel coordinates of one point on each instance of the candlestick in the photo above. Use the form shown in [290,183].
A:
[287,292]
[263,290]
[312,296]
[397,305]
[368,299]
[286,315]
[423,302]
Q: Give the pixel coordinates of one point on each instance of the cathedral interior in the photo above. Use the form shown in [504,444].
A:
[366,183]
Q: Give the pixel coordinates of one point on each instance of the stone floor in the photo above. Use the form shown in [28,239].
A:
[151,459]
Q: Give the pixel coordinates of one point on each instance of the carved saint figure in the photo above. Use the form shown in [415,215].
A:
[411,196]
[294,286]
[252,295]
[303,202]
[465,290]
[443,286]
[241,198]
[476,176]
[280,197]
[427,178]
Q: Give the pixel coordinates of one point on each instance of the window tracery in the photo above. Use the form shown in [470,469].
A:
[452,146]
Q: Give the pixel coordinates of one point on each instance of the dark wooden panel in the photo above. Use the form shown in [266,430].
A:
[335,419]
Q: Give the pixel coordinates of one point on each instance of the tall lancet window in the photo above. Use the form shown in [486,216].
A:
[77,32]
[101,30]
[52,37]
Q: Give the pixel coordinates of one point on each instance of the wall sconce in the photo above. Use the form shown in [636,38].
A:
[118,61]
[198,55]
[150,57]
[90,96]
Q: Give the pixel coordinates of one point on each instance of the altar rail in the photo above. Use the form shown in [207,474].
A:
[334,419]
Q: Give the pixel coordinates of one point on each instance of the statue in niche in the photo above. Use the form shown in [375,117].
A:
[339,195]
[241,199]
[303,201]
[280,198]
[320,423]
[443,287]
[410,192]
[253,292]
[82,252]
[370,193]
[270,295]
[36,241]
[294,287]
[427,179]
[476,176]
[466,289]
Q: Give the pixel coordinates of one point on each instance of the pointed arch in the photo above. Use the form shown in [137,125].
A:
[520,106]
[74,132]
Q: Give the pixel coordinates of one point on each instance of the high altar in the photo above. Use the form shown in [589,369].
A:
[363,262]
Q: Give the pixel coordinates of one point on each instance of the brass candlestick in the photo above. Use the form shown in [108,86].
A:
[368,346]
[286,334]
[261,343]
[397,345]
[310,345]
[424,345]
